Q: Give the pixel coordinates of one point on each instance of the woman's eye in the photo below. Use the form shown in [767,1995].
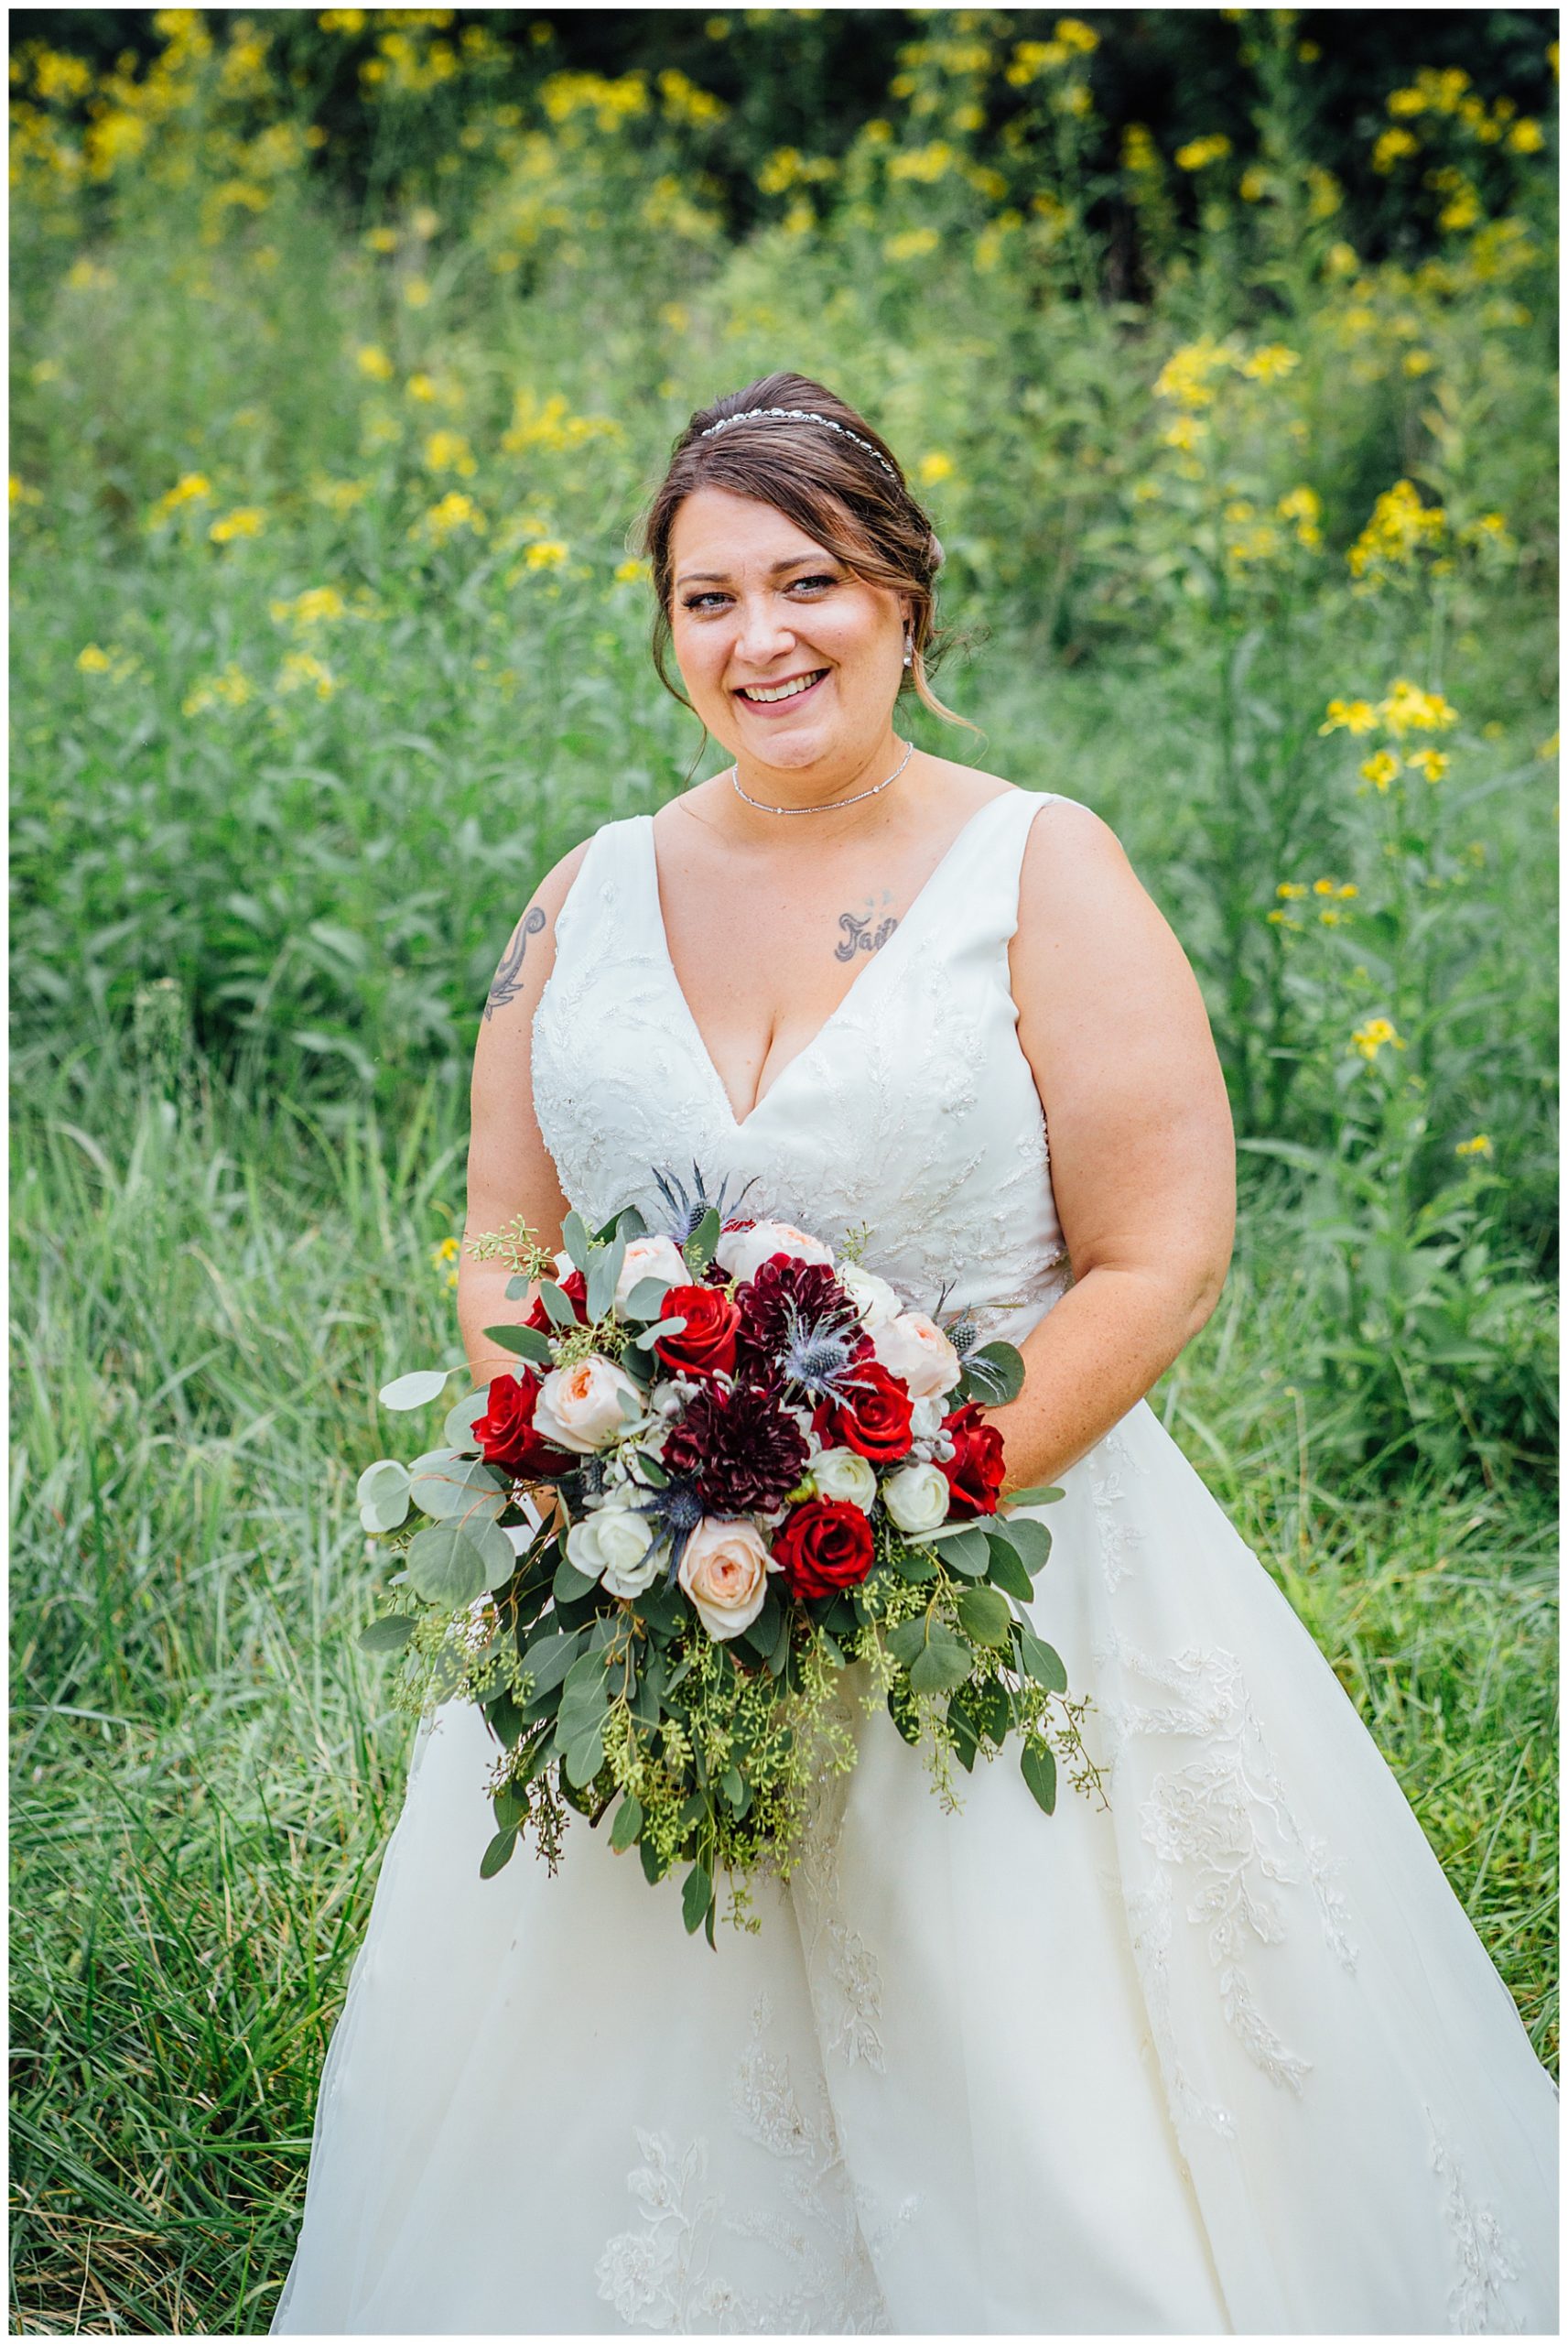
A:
[817,578]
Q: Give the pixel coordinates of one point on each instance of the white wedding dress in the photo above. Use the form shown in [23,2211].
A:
[1224,2055]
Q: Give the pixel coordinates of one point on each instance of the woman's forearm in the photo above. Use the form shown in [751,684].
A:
[1091,1358]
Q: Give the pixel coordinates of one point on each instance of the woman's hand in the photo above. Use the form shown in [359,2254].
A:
[1142,1152]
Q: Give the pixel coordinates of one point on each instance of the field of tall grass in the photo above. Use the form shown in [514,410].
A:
[329,637]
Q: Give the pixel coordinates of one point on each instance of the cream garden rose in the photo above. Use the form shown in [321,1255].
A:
[724,1570]
[916,1497]
[616,1546]
[742,1252]
[649,1257]
[872,1296]
[580,1407]
[914,1346]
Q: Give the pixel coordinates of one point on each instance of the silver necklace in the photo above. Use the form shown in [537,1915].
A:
[828,809]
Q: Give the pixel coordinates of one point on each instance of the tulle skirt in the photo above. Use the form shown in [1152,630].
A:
[1219,2054]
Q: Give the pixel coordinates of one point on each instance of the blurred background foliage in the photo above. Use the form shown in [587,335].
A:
[347,348]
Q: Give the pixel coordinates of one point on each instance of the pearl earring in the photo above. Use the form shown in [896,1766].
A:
[908,653]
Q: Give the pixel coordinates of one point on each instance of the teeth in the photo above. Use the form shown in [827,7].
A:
[784,692]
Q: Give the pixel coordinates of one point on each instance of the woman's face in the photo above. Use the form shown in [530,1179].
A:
[757,602]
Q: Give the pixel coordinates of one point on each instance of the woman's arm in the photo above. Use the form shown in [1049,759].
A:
[510,1168]
[1142,1152]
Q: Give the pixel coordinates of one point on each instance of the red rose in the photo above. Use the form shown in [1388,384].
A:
[506,1433]
[573,1285]
[824,1545]
[706,1344]
[873,1415]
[976,1466]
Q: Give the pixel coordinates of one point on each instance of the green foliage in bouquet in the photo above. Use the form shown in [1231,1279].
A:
[704,1748]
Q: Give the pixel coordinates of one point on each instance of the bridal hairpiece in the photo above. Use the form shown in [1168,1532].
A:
[797,415]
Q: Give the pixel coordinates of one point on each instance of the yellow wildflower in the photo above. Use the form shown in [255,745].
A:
[1254,185]
[1199,153]
[92,660]
[1430,762]
[311,608]
[629,573]
[1549,747]
[1410,710]
[190,488]
[416,292]
[1479,1145]
[302,667]
[1304,507]
[935,466]
[1381,768]
[913,244]
[1289,890]
[244,521]
[1076,36]
[548,553]
[1526,137]
[454,511]
[21,493]
[374,362]
[1400,527]
[1376,1035]
[1391,146]
[232,689]
[421,387]
[448,451]
[1184,376]
[1272,363]
[1355,715]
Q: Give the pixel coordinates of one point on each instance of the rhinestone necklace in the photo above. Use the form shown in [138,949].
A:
[831,803]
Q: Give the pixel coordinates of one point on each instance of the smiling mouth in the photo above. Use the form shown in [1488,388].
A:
[773,695]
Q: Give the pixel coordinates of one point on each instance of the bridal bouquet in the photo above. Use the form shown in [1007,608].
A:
[756,1468]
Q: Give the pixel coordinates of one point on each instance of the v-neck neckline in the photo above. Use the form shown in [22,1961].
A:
[744,1122]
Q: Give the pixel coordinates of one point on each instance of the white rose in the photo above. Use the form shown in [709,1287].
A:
[742,1252]
[916,1497]
[913,1347]
[649,1257]
[871,1296]
[843,1473]
[579,1408]
[725,1572]
[616,1546]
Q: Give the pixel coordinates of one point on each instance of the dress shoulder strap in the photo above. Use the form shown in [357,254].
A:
[603,897]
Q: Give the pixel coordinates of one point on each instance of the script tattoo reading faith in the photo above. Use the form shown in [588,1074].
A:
[858,934]
[506,986]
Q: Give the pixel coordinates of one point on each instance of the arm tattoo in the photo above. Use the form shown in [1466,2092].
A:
[861,936]
[506,986]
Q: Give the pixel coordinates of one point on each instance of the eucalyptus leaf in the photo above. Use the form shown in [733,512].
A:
[968,1552]
[557,1308]
[1040,1494]
[585,1756]
[984,1614]
[569,1582]
[602,1277]
[457,1431]
[575,1240]
[1008,1573]
[1042,1662]
[458,1488]
[656,1332]
[1038,1767]
[517,1289]
[548,1657]
[944,1664]
[383,1494]
[696,1895]
[528,1342]
[389,1634]
[913,1564]
[418,1389]
[647,1298]
[1029,1541]
[446,1566]
[627,1824]
[497,1853]
[993,1373]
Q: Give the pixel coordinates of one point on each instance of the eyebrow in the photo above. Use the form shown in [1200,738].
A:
[721,577]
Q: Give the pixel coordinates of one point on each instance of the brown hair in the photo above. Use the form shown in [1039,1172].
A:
[864,516]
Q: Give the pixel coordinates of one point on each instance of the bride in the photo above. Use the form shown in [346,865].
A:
[1222,2054]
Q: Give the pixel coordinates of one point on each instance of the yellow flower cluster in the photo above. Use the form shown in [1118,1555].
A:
[1139,152]
[244,521]
[1408,709]
[190,488]
[448,451]
[1392,148]
[1303,507]
[443,521]
[1187,378]
[232,689]
[444,1255]
[1401,528]
[302,668]
[1376,1035]
[1199,153]
[314,607]
[787,168]
[611,103]
[552,426]
[683,101]
[1479,1145]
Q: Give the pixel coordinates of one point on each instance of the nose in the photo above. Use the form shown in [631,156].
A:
[761,630]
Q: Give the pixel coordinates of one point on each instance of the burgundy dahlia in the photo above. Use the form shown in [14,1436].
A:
[742,1449]
[785,1294]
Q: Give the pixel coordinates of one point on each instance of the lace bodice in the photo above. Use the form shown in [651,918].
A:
[911,1112]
